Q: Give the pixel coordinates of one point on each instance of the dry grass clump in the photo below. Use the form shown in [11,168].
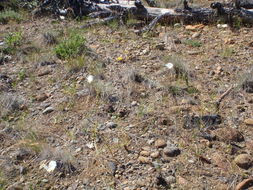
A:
[245,81]
[10,104]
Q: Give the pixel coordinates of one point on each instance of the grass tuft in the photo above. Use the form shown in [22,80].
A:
[10,15]
[75,65]
[193,43]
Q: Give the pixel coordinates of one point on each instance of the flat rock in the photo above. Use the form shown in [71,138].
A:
[160,143]
[155,154]
[171,151]
[113,167]
[144,160]
[243,161]
[144,153]
[248,121]
[146,148]
[110,125]
[196,35]
[44,72]
[170,179]
[41,97]
[249,145]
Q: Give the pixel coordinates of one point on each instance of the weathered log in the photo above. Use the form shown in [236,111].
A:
[187,15]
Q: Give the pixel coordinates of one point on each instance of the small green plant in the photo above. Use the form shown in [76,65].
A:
[227,52]
[22,75]
[10,15]
[193,43]
[70,47]
[13,40]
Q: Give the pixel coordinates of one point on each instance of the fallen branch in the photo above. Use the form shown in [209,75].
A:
[219,100]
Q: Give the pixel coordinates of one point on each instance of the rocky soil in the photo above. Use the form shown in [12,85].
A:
[131,112]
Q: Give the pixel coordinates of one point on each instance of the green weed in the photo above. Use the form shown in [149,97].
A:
[70,47]
[14,39]
[227,52]
[193,43]
[22,75]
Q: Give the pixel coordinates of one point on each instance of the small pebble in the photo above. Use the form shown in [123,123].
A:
[144,153]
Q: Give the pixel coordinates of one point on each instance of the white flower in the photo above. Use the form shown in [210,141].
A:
[169,65]
[51,166]
[90,78]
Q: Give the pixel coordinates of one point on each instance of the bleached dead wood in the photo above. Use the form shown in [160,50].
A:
[187,15]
